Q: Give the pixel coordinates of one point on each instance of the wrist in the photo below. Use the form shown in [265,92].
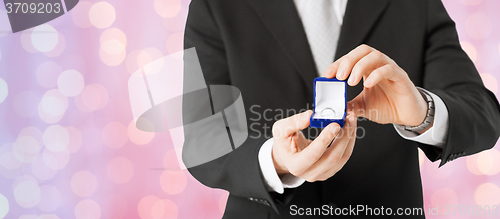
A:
[280,169]
[428,119]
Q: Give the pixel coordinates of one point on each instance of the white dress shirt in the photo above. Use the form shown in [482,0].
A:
[435,136]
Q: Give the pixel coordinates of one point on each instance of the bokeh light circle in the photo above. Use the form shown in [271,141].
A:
[75,139]
[173,182]
[34,132]
[478,26]
[171,160]
[112,52]
[13,171]
[26,148]
[25,104]
[56,160]
[131,61]
[472,162]
[44,38]
[148,55]
[60,47]
[26,41]
[94,97]
[120,170]
[27,194]
[145,206]
[51,198]
[47,74]
[113,47]
[56,138]
[175,43]
[137,136]
[488,162]
[70,83]
[444,196]
[167,8]
[114,135]
[87,209]
[40,170]
[102,15]
[177,23]
[469,49]
[112,206]
[8,159]
[490,82]
[164,209]
[83,183]
[80,14]
[4,206]
[52,106]
[4,90]
[113,34]
[487,194]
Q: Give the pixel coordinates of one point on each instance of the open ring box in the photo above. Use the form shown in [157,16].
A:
[329,102]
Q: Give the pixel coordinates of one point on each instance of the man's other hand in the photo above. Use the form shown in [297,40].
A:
[312,160]
[389,96]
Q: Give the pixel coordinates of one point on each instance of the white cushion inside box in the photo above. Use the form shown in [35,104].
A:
[330,100]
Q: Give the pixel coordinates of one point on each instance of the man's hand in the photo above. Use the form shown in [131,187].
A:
[312,160]
[389,96]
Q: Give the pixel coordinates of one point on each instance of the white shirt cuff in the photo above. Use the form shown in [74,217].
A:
[272,181]
[436,135]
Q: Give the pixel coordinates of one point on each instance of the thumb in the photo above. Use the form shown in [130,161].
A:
[292,124]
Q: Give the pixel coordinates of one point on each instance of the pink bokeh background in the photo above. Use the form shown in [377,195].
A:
[69,147]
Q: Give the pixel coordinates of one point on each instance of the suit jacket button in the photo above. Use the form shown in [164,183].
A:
[265,202]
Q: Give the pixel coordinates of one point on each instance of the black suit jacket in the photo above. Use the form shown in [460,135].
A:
[260,47]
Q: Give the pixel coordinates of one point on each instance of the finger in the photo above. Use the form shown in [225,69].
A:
[315,150]
[289,126]
[366,65]
[348,150]
[302,142]
[349,60]
[335,153]
[331,71]
[387,71]
[357,105]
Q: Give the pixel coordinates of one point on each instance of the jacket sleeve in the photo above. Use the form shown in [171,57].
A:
[474,112]
[238,171]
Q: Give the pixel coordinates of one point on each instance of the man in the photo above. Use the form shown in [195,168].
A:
[415,76]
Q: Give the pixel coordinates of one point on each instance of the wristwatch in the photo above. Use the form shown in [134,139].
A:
[429,118]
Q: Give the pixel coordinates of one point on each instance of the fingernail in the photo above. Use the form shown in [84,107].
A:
[305,115]
[334,129]
[340,73]
[327,72]
[367,82]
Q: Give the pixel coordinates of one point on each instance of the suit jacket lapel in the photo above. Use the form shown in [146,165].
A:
[282,20]
[359,19]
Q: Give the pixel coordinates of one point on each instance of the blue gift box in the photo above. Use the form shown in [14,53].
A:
[329,102]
